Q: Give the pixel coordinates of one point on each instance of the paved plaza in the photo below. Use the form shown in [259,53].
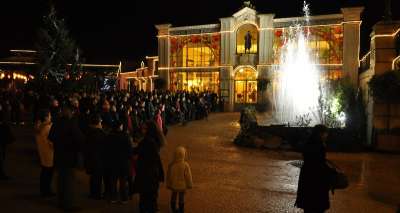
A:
[227,178]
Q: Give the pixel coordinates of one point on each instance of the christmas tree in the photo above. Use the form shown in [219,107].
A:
[58,54]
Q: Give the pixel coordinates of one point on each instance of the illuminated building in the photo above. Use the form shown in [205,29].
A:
[22,65]
[384,56]
[212,57]
[142,78]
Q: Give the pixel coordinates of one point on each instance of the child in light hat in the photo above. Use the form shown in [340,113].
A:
[179,179]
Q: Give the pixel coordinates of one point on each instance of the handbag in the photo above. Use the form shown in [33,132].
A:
[338,179]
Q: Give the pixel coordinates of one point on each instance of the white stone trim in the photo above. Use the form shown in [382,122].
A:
[311,18]
[195,27]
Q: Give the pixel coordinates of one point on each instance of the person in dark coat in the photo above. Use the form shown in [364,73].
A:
[106,116]
[247,42]
[67,139]
[313,187]
[118,158]
[150,171]
[7,138]
[94,156]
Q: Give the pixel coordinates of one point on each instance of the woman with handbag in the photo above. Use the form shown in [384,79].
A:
[315,175]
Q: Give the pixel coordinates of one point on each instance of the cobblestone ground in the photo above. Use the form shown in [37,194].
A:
[227,179]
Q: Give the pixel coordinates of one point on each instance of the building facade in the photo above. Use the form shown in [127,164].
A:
[232,56]
[384,56]
[143,78]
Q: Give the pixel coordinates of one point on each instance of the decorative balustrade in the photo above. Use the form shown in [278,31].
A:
[365,62]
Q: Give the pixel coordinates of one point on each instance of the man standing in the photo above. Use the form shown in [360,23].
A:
[6,138]
[94,156]
[67,139]
[247,42]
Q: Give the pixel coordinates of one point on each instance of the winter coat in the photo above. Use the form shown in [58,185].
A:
[149,170]
[67,139]
[179,175]
[7,138]
[107,118]
[313,187]
[150,110]
[44,145]
[94,149]
[118,153]
[159,122]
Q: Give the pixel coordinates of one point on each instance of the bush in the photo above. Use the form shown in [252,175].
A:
[386,87]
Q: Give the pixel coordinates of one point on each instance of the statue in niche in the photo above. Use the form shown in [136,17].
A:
[247,42]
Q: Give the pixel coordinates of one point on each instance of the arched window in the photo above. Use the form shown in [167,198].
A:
[247,39]
[195,55]
[246,86]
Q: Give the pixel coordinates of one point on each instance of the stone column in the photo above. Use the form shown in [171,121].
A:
[383,52]
[266,38]
[265,53]
[351,42]
[163,51]
[383,49]
[228,52]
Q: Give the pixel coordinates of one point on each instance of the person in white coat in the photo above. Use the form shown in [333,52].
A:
[179,179]
[46,152]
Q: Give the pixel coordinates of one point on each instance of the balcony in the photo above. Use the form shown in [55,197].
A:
[247,59]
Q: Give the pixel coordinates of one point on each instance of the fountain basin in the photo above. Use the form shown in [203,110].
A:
[291,138]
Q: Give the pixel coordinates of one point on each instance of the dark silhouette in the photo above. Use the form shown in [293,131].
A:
[67,139]
[94,152]
[247,42]
[149,168]
[6,138]
[118,155]
[314,181]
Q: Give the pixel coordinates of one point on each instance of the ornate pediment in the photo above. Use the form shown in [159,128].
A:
[246,14]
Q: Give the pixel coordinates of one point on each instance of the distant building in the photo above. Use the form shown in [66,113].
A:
[214,57]
[142,78]
[22,65]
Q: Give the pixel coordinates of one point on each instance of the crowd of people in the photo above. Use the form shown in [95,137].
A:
[115,136]
[173,107]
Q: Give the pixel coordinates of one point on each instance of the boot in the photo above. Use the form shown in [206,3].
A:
[173,207]
[181,208]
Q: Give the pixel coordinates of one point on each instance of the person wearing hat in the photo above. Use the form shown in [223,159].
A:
[179,179]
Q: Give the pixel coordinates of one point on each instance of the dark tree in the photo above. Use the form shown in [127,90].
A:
[58,53]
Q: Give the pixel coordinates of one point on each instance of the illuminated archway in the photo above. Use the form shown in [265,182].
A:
[245,78]
[247,33]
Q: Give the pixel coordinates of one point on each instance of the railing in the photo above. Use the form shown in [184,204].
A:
[396,63]
[365,62]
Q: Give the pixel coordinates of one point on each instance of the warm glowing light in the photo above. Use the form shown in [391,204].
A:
[24,51]
[386,35]
[322,65]
[210,67]
[394,62]
[97,65]
[17,62]
[365,56]
[263,29]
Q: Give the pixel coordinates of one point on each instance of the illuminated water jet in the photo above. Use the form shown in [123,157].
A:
[298,77]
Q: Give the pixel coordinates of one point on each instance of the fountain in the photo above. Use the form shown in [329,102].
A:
[297,76]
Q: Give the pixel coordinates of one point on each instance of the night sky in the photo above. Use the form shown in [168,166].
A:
[109,31]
